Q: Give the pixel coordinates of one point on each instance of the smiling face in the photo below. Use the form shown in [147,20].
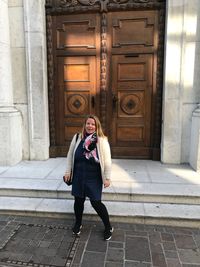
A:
[90,126]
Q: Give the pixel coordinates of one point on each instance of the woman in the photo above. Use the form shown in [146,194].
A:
[89,163]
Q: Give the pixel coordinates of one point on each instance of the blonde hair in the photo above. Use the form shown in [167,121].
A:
[99,130]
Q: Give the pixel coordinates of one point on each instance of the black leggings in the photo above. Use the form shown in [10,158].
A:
[99,207]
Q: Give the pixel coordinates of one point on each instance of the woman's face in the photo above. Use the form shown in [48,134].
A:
[90,126]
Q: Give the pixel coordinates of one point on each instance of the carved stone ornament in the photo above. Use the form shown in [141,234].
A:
[93,2]
[104,5]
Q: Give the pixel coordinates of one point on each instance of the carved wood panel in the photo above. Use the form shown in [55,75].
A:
[133,39]
[74,32]
[131,104]
[76,43]
[76,93]
[125,31]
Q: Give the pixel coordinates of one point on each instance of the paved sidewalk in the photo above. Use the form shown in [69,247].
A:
[44,242]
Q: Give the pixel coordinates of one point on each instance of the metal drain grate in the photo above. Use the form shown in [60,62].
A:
[39,246]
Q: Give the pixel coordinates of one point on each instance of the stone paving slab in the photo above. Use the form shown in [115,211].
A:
[118,187]
[136,171]
[116,208]
[131,212]
[131,180]
[48,242]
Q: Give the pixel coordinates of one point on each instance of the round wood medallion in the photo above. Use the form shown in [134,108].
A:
[77,104]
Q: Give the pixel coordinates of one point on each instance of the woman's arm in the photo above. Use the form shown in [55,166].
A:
[107,160]
[70,156]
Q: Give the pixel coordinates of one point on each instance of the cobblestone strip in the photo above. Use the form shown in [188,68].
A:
[9,236]
[72,252]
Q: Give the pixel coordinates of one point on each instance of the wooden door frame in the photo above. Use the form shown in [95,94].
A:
[58,7]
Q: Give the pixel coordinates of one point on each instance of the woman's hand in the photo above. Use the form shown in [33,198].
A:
[67,177]
[106,183]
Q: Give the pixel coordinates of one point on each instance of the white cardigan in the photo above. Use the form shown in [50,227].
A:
[104,153]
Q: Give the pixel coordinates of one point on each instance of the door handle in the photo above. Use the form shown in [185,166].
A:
[114,100]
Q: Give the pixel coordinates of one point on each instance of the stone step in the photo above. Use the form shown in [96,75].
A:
[133,192]
[132,212]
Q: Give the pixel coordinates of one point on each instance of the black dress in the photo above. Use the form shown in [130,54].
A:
[87,180]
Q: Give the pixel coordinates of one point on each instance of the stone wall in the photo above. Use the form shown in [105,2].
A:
[181,82]
[190,72]
[19,72]
[10,116]
[37,91]
[29,74]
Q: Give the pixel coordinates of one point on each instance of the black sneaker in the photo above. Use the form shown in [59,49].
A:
[77,229]
[108,233]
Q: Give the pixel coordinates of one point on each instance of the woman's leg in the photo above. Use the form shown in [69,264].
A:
[78,209]
[101,210]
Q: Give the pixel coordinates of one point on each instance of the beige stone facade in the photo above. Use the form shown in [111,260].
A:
[24,91]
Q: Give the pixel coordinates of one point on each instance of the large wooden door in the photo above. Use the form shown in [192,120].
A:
[131,105]
[76,40]
[106,64]
[133,43]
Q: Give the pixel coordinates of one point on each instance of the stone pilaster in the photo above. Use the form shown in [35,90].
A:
[181,79]
[172,121]
[10,117]
[36,60]
[195,140]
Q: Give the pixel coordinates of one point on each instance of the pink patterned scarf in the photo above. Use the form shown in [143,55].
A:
[89,146]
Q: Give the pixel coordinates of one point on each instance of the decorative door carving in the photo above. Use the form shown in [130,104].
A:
[106,61]
[133,42]
[131,102]
[76,49]
[76,94]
